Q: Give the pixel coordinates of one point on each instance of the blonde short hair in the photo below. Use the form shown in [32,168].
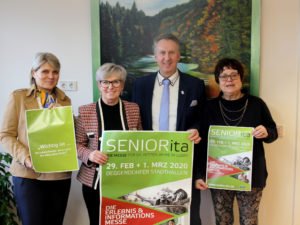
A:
[107,69]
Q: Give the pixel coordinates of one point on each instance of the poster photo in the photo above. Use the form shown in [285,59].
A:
[147,179]
[51,139]
[229,160]
[123,33]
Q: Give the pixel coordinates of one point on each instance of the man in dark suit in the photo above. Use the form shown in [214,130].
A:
[187,98]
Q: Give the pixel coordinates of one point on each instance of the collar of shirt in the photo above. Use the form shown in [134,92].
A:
[156,99]
[173,78]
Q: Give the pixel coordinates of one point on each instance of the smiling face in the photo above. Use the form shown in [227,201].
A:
[110,92]
[230,83]
[167,56]
[46,77]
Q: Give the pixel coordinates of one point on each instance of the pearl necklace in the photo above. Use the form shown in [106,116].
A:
[227,120]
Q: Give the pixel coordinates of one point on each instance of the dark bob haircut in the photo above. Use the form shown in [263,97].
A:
[229,63]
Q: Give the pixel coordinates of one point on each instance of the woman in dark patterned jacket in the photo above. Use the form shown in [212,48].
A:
[234,107]
[109,113]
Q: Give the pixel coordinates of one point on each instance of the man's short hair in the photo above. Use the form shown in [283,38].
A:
[167,36]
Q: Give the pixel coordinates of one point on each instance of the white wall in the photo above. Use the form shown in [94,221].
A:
[60,27]
[63,27]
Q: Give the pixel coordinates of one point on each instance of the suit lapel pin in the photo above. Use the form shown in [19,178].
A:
[182,92]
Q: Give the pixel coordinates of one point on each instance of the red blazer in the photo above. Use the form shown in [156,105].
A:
[87,122]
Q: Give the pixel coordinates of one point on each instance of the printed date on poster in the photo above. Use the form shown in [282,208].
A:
[145,165]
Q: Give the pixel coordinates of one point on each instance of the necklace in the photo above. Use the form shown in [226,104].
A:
[102,118]
[102,127]
[227,120]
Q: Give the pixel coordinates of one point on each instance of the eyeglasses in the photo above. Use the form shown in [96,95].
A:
[225,77]
[107,83]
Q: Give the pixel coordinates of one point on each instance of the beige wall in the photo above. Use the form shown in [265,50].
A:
[279,87]
[63,27]
[296,216]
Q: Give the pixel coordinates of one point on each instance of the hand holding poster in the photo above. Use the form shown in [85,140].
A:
[229,160]
[51,139]
[147,179]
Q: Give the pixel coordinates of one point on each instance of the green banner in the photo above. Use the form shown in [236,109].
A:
[147,179]
[229,161]
[51,139]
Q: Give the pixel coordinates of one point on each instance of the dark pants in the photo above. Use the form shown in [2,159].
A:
[41,202]
[195,207]
[92,202]
[196,194]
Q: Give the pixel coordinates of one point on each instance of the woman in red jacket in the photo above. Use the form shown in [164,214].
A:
[108,113]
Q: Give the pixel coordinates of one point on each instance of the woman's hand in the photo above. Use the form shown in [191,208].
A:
[200,184]
[98,157]
[28,163]
[194,135]
[260,132]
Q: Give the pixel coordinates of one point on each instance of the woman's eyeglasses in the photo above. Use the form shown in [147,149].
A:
[232,76]
[107,83]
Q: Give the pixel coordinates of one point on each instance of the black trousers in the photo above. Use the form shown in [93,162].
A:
[41,202]
[92,202]
[195,207]
[196,194]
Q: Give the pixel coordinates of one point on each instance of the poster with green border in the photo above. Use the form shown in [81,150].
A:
[147,179]
[51,139]
[229,158]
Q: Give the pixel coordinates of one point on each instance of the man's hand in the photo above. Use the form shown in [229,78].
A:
[194,136]
[201,185]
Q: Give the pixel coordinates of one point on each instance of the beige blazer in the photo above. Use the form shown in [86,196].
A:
[13,133]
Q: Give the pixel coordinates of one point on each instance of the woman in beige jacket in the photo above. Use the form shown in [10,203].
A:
[41,198]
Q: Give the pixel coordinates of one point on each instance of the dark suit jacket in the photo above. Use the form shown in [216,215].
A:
[191,99]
